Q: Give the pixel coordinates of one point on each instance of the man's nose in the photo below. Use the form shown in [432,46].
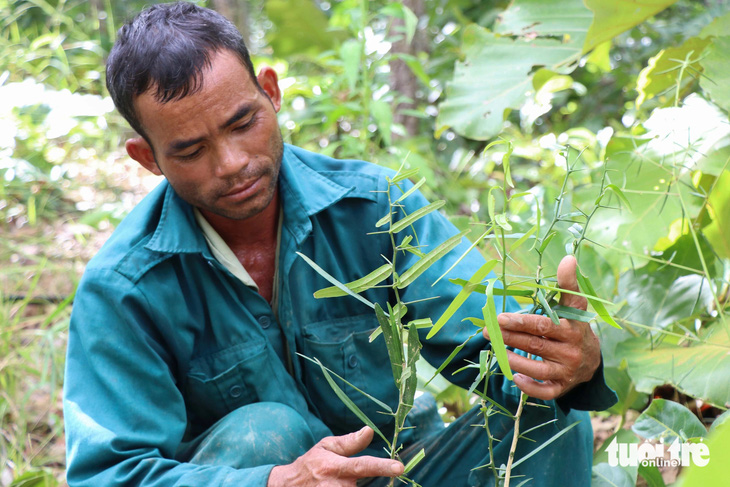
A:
[231,160]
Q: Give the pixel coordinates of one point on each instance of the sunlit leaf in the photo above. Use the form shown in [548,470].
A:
[407,221]
[668,420]
[359,285]
[425,262]
[489,311]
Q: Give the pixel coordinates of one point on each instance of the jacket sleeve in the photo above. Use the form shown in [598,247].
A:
[124,414]
[430,231]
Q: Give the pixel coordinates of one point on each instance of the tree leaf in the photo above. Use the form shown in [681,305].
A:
[411,191]
[668,420]
[604,475]
[617,16]
[407,221]
[425,262]
[716,64]
[476,100]
[364,283]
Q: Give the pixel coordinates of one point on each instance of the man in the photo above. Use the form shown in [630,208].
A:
[184,363]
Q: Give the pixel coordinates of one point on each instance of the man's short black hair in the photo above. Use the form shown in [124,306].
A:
[165,48]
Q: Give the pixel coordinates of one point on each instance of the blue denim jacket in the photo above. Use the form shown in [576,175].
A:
[164,341]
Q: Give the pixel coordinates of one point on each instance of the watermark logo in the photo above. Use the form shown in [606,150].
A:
[658,454]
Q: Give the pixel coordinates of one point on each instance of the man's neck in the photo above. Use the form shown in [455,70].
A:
[257,230]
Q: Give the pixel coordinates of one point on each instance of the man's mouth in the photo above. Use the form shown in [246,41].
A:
[242,191]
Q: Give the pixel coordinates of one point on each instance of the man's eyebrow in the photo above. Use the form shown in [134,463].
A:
[242,111]
[179,145]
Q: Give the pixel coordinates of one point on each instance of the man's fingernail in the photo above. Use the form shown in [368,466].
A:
[396,468]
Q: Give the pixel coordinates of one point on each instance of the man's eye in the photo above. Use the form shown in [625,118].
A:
[188,157]
[245,125]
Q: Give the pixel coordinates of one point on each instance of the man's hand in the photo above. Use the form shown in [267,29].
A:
[570,352]
[327,464]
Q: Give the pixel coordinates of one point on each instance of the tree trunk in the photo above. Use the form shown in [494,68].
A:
[237,12]
[402,79]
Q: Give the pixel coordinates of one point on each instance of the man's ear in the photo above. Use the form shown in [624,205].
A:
[139,150]
[269,82]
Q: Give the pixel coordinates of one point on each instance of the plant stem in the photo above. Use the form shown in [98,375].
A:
[515,436]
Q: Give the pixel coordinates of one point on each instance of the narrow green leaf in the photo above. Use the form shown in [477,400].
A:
[542,299]
[414,461]
[505,165]
[495,333]
[410,377]
[451,356]
[383,221]
[359,285]
[348,402]
[411,191]
[546,241]
[544,445]
[421,323]
[523,238]
[425,262]
[392,342]
[334,281]
[587,287]
[471,247]
[620,195]
[573,313]
[387,409]
[404,175]
[460,298]
[481,289]
[419,213]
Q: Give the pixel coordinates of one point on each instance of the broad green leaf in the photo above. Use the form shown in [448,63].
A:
[668,420]
[723,419]
[351,52]
[334,281]
[604,475]
[383,115]
[716,64]
[287,35]
[489,311]
[460,298]
[392,342]
[407,221]
[659,77]
[700,370]
[616,16]
[652,475]
[718,232]
[598,306]
[348,402]
[411,191]
[715,472]
[359,285]
[425,262]
[476,100]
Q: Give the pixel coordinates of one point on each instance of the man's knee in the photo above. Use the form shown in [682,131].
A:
[262,433]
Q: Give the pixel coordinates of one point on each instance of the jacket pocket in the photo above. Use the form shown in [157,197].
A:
[221,382]
[343,347]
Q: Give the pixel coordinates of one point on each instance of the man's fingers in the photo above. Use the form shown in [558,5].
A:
[363,467]
[350,444]
[536,369]
[537,325]
[567,279]
[541,390]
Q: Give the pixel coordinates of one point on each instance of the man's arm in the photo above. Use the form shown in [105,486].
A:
[124,415]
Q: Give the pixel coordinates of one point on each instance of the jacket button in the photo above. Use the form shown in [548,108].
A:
[235,391]
[352,361]
[264,321]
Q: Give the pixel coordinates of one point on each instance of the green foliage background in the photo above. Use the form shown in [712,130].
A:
[639,93]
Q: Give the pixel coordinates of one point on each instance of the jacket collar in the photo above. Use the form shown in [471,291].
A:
[303,190]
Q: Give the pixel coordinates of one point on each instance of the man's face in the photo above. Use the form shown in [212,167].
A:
[220,148]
